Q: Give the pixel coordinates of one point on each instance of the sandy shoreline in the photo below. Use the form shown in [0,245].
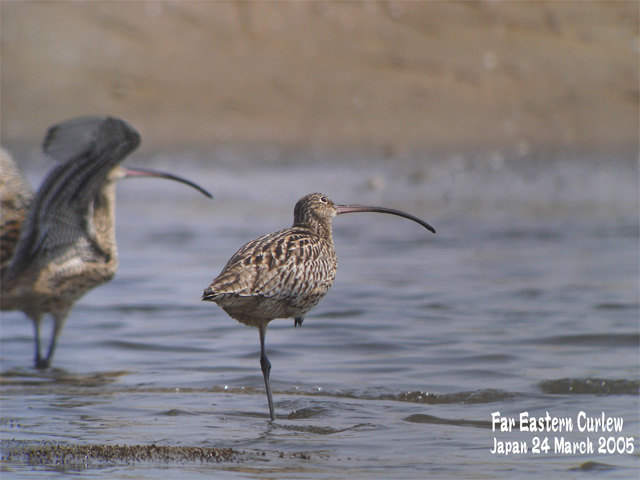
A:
[386,77]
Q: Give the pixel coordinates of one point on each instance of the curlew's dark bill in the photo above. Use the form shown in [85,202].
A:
[361,208]
[142,172]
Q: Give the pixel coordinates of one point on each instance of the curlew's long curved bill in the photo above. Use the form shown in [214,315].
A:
[141,172]
[361,208]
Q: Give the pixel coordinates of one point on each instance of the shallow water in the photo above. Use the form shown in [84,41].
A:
[526,300]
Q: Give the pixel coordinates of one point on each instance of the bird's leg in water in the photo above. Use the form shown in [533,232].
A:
[59,319]
[266,369]
[39,361]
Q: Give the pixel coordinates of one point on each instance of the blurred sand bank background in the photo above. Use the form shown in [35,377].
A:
[389,78]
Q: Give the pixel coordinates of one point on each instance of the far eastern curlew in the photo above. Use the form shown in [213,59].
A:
[285,274]
[67,242]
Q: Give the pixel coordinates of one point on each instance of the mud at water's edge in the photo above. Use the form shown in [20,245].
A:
[84,456]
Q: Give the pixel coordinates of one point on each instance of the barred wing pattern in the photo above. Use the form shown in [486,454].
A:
[87,149]
[280,275]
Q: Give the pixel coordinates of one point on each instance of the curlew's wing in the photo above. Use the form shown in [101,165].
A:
[290,265]
[87,149]
[15,197]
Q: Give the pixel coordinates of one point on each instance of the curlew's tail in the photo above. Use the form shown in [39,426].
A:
[209,294]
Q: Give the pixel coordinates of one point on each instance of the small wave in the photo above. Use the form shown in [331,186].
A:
[615,306]
[528,234]
[150,347]
[150,308]
[631,339]
[458,422]
[598,386]
[320,430]
[32,377]
[593,467]
[175,412]
[309,412]
[345,313]
[427,398]
[474,397]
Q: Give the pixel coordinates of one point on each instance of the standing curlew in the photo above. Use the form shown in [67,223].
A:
[67,243]
[285,274]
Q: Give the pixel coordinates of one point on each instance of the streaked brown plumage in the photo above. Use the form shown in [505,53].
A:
[67,243]
[285,274]
[15,198]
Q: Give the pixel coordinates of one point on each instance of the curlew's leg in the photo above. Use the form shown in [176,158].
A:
[39,361]
[59,319]
[265,364]
[297,322]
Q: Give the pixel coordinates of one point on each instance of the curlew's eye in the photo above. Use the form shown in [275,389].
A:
[323,200]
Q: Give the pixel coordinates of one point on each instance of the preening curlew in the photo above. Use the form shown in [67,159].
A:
[67,245]
[286,273]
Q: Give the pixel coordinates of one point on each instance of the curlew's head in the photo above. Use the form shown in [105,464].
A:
[315,211]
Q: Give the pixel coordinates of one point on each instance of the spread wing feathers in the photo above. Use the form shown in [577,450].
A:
[291,265]
[87,149]
[15,197]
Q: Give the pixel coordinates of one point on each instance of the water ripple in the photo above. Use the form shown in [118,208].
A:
[31,377]
[631,339]
[616,306]
[150,347]
[427,398]
[598,386]
[593,467]
[478,396]
[458,422]
[174,412]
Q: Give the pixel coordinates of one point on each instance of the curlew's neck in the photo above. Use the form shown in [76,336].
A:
[104,220]
[318,226]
